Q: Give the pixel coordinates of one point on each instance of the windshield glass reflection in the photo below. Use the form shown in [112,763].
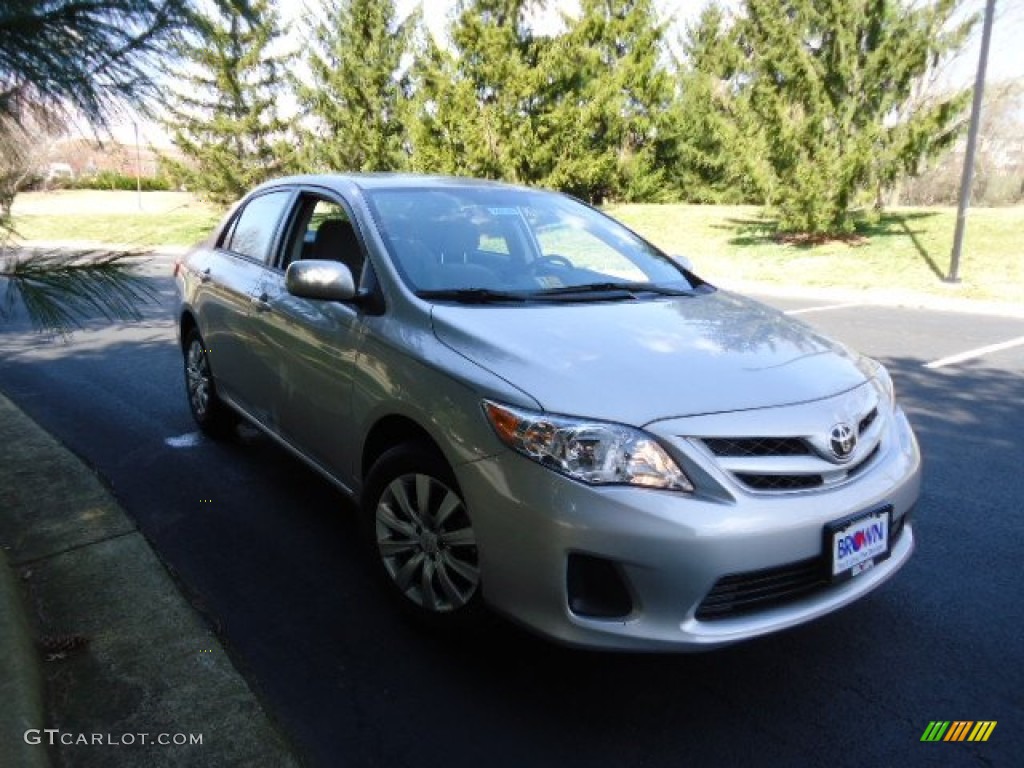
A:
[484,242]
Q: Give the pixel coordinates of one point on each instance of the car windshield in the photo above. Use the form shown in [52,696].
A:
[481,244]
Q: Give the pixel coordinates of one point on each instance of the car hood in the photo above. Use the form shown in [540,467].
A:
[635,362]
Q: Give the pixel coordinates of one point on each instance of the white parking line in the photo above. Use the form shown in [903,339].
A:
[188,440]
[824,308]
[972,353]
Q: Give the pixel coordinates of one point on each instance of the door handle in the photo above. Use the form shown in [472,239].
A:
[261,303]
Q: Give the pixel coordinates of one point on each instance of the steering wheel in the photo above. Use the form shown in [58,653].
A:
[551,261]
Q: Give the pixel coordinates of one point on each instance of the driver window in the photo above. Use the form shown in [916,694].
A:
[324,231]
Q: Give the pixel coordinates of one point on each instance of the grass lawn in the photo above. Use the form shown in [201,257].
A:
[166,218]
[908,250]
[135,229]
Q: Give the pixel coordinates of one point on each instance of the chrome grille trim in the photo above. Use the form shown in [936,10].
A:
[865,424]
[788,464]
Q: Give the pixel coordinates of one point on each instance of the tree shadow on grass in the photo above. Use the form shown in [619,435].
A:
[898,222]
[898,225]
[751,230]
[755,231]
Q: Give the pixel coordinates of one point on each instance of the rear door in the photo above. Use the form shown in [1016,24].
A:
[230,277]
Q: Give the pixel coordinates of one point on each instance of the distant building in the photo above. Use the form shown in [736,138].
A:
[83,157]
[57,171]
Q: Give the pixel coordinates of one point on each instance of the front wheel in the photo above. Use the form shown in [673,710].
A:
[208,410]
[421,535]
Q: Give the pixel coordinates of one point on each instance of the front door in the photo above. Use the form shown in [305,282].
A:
[312,345]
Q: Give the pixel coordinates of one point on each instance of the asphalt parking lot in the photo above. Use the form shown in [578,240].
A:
[272,562]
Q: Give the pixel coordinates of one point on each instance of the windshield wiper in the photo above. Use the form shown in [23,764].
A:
[599,291]
[471,295]
[609,287]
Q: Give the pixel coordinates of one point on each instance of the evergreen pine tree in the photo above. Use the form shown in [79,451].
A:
[585,111]
[477,104]
[61,60]
[227,123]
[63,56]
[356,102]
[824,101]
[612,130]
[442,105]
[705,170]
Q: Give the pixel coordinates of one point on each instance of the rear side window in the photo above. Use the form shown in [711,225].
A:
[252,234]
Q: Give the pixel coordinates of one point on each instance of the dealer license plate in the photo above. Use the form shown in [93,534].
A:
[858,542]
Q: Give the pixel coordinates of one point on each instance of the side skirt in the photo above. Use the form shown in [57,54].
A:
[293,450]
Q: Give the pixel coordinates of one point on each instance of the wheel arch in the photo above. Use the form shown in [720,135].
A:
[185,325]
[391,431]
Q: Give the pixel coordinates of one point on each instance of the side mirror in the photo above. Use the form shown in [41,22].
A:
[318,279]
[683,261]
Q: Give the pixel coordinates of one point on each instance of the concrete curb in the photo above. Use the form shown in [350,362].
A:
[142,663]
[21,692]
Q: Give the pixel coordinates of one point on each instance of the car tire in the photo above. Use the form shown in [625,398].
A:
[211,414]
[421,538]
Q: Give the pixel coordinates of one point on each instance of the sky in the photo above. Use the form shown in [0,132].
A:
[1006,57]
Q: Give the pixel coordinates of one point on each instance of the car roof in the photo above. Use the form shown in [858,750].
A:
[386,181]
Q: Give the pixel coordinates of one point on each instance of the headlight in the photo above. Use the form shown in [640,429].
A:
[594,452]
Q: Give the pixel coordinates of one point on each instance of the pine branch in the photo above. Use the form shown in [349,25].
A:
[59,290]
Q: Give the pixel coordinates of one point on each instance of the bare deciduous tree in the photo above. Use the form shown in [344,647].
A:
[999,163]
[25,145]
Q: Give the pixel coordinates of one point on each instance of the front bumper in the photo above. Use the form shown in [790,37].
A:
[670,548]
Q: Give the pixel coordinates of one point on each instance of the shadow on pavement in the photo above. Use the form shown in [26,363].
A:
[274,562]
[361,681]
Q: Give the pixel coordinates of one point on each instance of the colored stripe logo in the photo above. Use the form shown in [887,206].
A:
[958,730]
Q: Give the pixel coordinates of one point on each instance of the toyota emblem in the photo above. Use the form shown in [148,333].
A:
[842,440]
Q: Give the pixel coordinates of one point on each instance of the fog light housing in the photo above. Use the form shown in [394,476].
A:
[596,588]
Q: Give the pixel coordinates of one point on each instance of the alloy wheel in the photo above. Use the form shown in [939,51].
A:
[197,378]
[426,542]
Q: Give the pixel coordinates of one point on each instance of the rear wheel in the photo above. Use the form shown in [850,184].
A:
[208,410]
[421,535]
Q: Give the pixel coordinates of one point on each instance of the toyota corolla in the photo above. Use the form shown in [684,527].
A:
[539,411]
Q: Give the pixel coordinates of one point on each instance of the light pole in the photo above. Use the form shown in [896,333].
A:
[138,165]
[972,142]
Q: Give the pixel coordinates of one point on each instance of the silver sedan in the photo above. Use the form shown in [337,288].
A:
[539,411]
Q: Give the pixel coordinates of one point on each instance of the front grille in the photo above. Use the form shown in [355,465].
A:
[856,469]
[780,464]
[867,421]
[765,482]
[780,482]
[743,593]
[756,590]
[757,446]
